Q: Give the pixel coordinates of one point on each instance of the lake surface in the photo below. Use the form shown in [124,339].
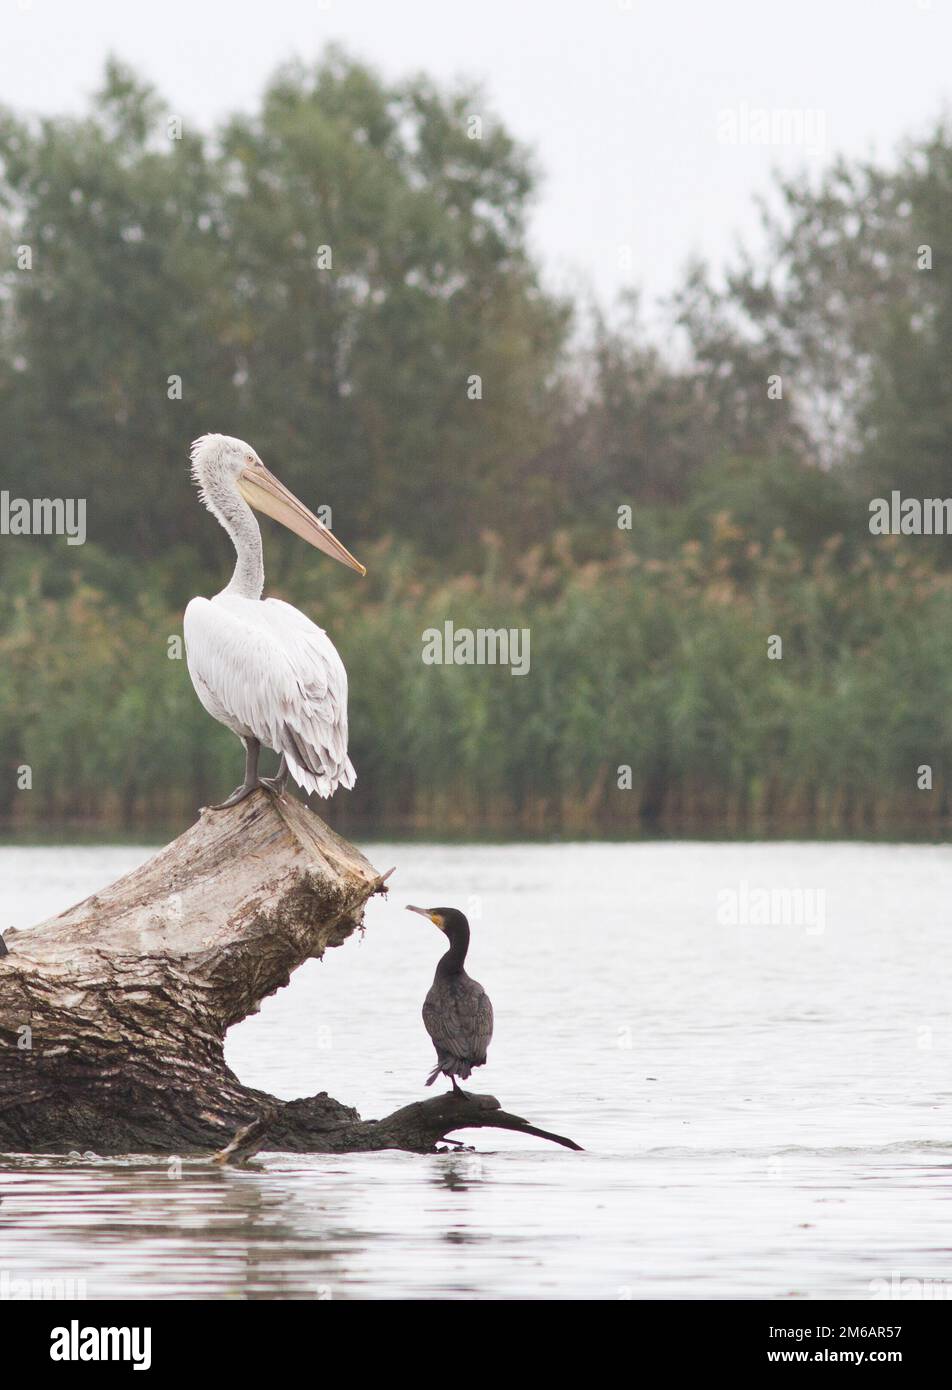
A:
[752,1042]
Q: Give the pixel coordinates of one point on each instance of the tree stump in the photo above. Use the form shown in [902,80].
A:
[113,1015]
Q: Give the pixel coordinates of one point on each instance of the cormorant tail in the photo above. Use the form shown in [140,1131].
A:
[450,1066]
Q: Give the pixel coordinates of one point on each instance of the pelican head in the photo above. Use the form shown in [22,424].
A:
[226,469]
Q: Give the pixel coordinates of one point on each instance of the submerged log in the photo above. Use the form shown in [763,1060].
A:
[113,1015]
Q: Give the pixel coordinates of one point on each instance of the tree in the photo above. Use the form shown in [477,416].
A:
[854,308]
[324,279]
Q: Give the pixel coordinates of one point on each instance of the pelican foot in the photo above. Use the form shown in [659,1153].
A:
[279,781]
[237,795]
[252,781]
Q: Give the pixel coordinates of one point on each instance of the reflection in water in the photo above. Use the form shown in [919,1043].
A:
[763,1106]
[129,1229]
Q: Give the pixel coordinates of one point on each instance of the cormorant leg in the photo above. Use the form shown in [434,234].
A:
[251,782]
[279,781]
[457,1089]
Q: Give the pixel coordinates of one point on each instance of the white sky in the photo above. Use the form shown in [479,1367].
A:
[619,98]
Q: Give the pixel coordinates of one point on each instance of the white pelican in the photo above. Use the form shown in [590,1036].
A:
[259,666]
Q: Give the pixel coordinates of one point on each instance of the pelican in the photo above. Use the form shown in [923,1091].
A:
[259,666]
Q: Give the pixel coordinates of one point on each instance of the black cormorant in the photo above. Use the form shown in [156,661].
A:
[457,1012]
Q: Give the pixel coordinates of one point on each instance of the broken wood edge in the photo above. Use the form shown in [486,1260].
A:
[414,1128]
[453,1110]
[380,883]
[248,1140]
[128,1034]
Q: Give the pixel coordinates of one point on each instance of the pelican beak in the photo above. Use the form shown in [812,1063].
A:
[266,493]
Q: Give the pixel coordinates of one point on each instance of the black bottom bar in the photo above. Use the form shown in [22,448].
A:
[166,1338]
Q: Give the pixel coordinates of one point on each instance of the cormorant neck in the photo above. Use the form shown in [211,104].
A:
[240,522]
[452,962]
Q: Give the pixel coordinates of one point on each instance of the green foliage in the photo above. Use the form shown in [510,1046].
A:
[205,258]
[658,665]
[852,304]
[201,259]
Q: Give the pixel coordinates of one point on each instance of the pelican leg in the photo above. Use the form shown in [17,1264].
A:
[279,781]
[252,781]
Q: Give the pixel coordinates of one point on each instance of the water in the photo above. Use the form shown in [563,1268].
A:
[765,1109]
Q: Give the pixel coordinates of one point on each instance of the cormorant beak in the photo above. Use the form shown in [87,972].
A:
[430,916]
[263,491]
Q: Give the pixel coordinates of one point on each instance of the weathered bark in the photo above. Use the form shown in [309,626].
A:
[113,1015]
[417,1127]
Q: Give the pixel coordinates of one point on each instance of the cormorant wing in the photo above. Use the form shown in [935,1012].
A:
[459,1019]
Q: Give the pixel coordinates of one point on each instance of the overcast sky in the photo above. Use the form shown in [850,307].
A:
[645,117]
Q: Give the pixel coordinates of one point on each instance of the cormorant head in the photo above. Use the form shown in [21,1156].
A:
[448,919]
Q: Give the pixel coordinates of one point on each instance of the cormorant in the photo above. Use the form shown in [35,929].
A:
[457,1012]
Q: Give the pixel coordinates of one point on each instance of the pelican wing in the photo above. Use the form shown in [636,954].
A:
[265,670]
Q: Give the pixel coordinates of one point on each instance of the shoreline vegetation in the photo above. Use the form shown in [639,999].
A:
[657,666]
[673,535]
[111,833]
